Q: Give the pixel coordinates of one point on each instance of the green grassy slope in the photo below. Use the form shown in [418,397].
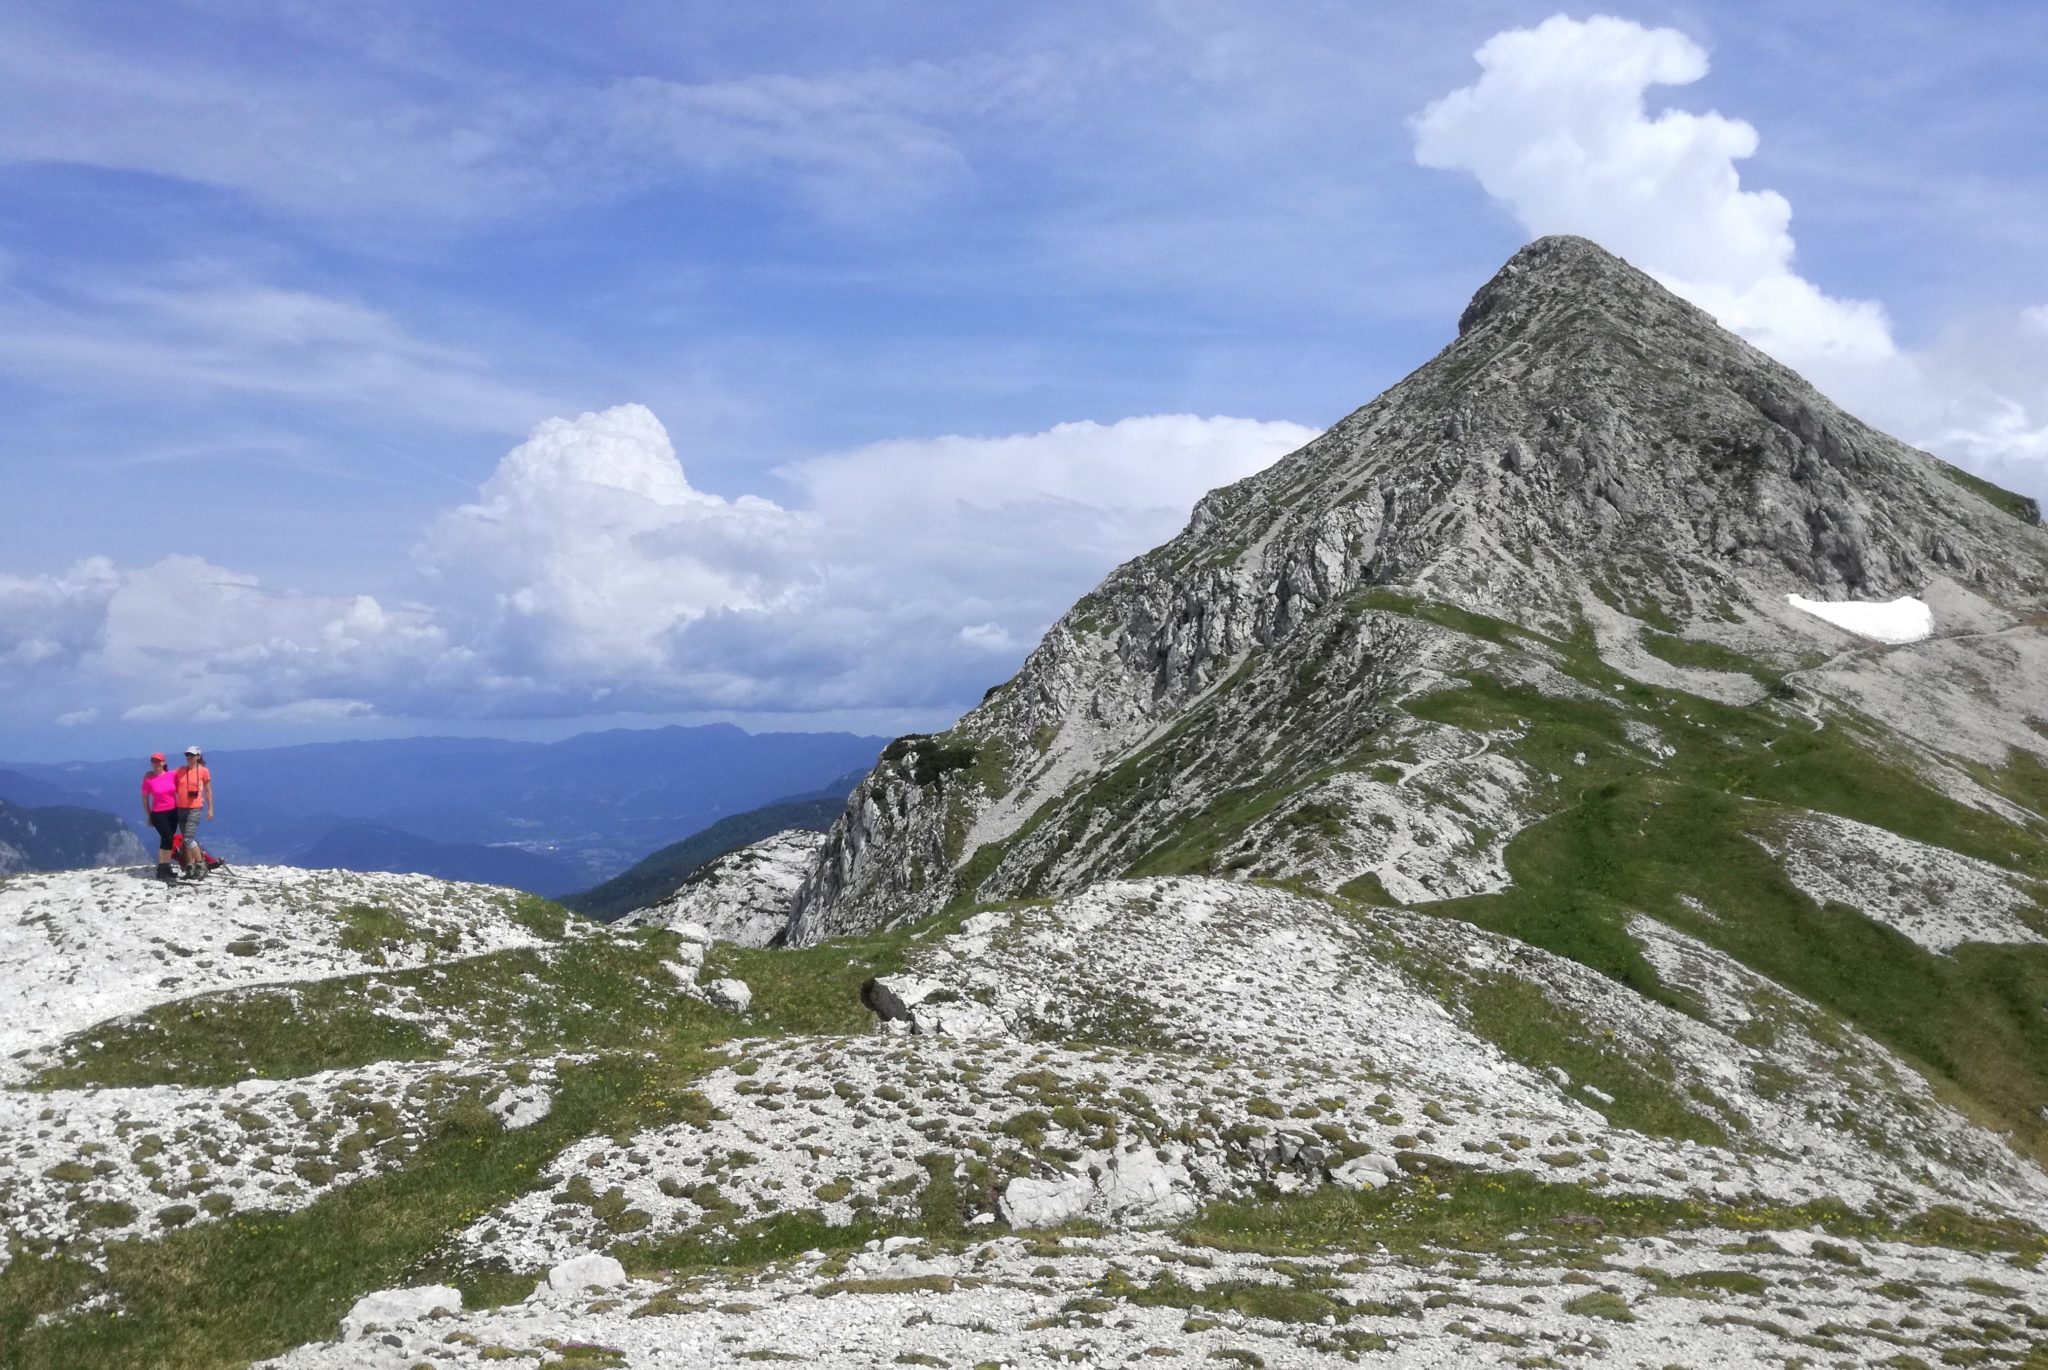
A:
[1626,836]
[2021,507]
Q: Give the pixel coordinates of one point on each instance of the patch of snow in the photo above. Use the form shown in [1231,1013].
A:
[1897,621]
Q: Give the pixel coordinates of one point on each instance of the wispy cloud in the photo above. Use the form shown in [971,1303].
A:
[312,143]
[205,331]
[855,144]
[347,143]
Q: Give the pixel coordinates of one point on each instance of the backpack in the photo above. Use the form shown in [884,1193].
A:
[213,863]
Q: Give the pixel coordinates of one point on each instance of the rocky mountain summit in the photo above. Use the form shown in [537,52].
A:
[1556,871]
[1595,467]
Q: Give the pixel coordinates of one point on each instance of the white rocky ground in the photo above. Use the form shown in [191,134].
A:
[1698,1298]
[80,1168]
[83,947]
[1264,1039]
[83,1167]
[1240,1040]
[744,896]
[1939,898]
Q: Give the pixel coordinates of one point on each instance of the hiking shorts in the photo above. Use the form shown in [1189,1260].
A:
[188,823]
[165,821]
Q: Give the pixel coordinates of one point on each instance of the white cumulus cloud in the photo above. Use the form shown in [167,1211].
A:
[1558,129]
[590,568]
[52,621]
[182,638]
[589,574]
[588,550]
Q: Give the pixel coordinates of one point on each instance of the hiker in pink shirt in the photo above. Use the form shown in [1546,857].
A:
[160,811]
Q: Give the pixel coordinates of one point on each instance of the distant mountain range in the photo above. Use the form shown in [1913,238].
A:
[62,837]
[374,847]
[549,817]
[32,793]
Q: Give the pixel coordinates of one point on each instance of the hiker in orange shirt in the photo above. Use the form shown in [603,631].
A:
[195,791]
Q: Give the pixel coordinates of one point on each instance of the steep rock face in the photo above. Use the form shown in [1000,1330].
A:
[1591,459]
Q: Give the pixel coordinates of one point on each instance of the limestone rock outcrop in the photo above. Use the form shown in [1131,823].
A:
[745,896]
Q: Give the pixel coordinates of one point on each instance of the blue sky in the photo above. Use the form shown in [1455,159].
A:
[896,325]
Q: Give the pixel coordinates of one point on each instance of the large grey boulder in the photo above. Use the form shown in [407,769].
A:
[730,995]
[1365,1172]
[1029,1201]
[389,1308]
[932,1008]
[581,1275]
[1137,1188]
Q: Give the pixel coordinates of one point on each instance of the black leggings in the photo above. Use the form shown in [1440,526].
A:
[165,821]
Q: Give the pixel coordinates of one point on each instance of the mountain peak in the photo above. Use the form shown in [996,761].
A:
[1565,268]
[1593,460]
